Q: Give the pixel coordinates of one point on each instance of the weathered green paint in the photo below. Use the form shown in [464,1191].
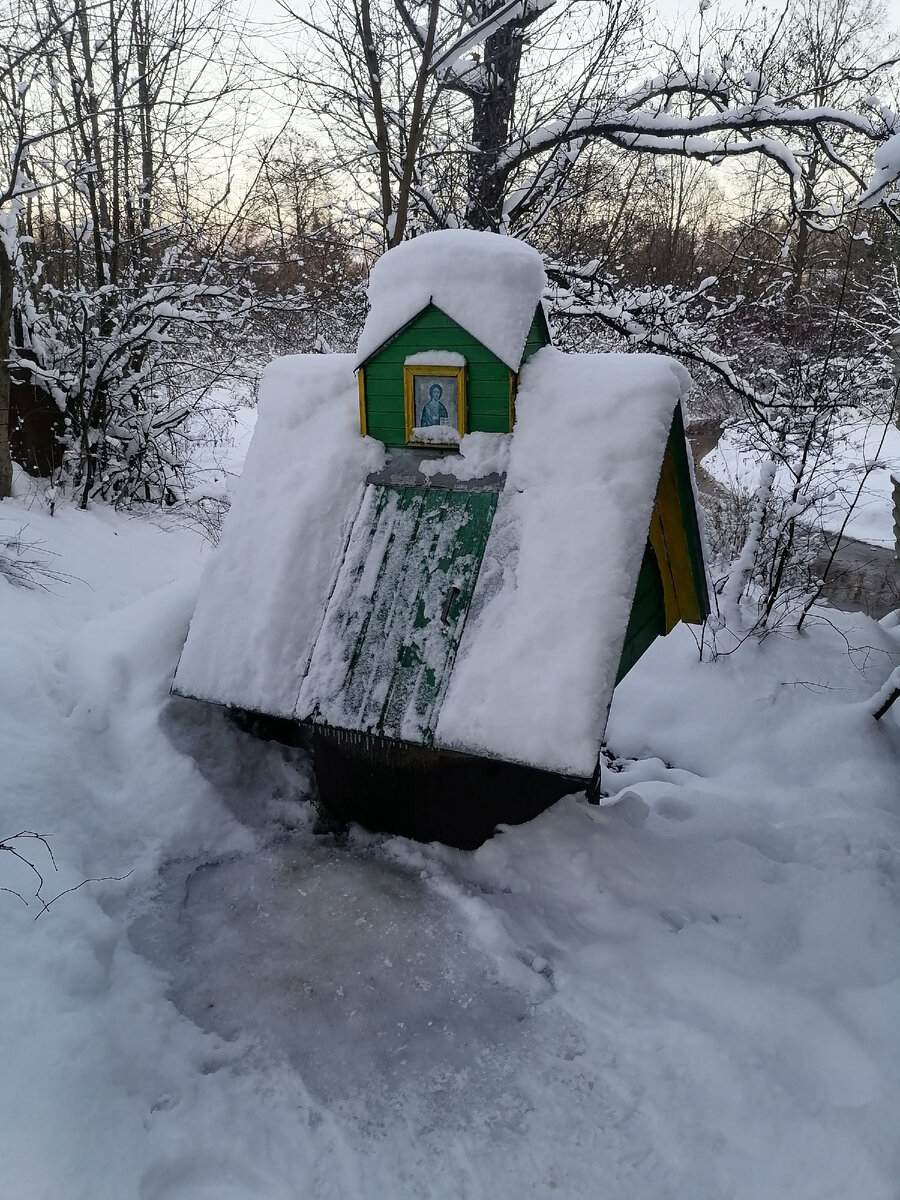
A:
[648,614]
[397,612]
[487,378]
[648,611]
[688,509]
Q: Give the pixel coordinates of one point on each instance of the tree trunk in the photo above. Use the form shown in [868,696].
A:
[6,308]
[491,121]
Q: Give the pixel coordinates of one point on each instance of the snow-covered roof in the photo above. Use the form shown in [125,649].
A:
[537,663]
[540,648]
[265,587]
[487,283]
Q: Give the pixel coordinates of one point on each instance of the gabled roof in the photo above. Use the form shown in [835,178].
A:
[265,587]
[537,662]
[539,650]
[487,283]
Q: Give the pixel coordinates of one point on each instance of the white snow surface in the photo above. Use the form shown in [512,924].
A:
[487,283]
[538,658]
[264,589]
[438,435]
[689,994]
[854,474]
[886,164]
[435,358]
[480,454]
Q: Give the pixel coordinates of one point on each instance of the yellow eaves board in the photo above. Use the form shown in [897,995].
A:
[669,541]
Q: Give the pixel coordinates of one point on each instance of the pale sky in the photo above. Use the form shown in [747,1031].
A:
[268,10]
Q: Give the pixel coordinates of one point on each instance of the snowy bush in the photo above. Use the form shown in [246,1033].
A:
[26,563]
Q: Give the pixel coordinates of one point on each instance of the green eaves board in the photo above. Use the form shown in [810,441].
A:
[391,629]
[648,614]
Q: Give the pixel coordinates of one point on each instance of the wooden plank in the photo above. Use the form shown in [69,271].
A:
[391,630]
[383,365]
[538,334]
[386,404]
[688,503]
[648,617]
[489,372]
[674,549]
[361,382]
[490,422]
[381,400]
[392,433]
[658,542]
[490,376]
[432,795]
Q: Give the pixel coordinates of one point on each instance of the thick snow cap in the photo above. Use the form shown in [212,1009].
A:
[540,650]
[487,283]
[264,589]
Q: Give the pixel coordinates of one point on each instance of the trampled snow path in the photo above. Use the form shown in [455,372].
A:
[356,972]
[694,993]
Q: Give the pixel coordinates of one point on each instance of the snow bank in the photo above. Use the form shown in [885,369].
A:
[487,283]
[855,472]
[689,992]
[480,454]
[539,654]
[265,587]
[436,435]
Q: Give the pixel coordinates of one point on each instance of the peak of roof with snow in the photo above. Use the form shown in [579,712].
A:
[487,283]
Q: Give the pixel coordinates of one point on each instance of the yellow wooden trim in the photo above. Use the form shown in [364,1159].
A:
[658,542]
[408,405]
[363,420]
[513,389]
[409,376]
[672,549]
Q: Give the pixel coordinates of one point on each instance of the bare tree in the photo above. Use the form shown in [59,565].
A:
[116,237]
[501,97]
[25,121]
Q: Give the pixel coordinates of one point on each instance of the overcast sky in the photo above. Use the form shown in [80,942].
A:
[269,10]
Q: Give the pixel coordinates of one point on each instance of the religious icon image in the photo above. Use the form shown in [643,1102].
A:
[436,402]
[434,412]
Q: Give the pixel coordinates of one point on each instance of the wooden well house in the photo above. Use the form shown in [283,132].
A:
[446,602]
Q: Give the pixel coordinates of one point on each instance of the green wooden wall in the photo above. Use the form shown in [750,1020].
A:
[487,378]
[538,334]
[399,630]
[648,614]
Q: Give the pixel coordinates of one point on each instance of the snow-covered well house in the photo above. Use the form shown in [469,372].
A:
[447,602]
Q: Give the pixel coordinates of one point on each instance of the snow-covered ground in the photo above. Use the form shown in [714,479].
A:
[855,475]
[693,992]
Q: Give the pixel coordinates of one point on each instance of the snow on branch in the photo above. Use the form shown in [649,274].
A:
[887,170]
[651,317]
[718,133]
[886,696]
[522,11]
